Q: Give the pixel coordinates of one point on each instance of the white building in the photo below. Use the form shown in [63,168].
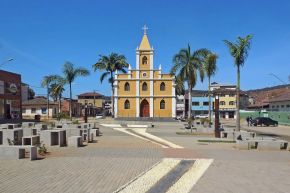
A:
[280,103]
[38,106]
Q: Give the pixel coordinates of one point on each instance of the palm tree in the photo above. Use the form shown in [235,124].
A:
[239,51]
[210,69]
[187,65]
[57,89]
[112,63]
[46,82]
[70,74]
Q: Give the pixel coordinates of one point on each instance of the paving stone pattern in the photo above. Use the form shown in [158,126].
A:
[99,167]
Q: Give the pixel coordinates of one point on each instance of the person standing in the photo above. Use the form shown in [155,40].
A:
[248,120]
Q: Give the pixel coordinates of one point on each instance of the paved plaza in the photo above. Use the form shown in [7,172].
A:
[116,158]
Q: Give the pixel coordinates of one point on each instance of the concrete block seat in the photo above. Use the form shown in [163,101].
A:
[262,144]
[53,137]
[96,132]
[237,135]
[28,124]
[12,152]
[75,141]
[31,140]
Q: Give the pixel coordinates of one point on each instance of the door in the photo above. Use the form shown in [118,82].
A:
[144,109]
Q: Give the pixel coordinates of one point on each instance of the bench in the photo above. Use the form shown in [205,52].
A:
[12,152]
[74,141]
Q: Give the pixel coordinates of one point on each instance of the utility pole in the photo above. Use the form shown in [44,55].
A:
[217,117]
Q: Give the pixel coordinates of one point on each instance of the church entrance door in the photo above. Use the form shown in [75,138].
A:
[144,109]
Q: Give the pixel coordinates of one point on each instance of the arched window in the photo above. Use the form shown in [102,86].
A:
[127,105]
[144,60]
[162,104]
[232,103]
[162,86]
[144,86]
[127,86]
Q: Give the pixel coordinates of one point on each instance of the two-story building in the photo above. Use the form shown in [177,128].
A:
[10,95]
[200,102]
[228,99]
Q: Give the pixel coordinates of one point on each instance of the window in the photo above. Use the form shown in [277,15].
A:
[144,60]
[222,95]
[127,86]
[277,106]
[232,95]
[162,86]
[144,86]
[273,107]
[162,104]
[127,105]
[232,103]
[222,103]
[205,103]
[195,103]
[33,110]
[144,74]
[288,106]
[43,110]
[282,106]
[24,110]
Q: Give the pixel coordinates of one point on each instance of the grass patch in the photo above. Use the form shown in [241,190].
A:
[214,141]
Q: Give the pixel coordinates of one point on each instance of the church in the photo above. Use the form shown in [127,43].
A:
[145,91]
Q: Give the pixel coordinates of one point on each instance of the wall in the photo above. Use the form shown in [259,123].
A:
[122,112]
[227,100]
[26,112]
[167,112]
[98,102]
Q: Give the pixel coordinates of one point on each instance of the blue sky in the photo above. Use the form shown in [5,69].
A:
[41,35]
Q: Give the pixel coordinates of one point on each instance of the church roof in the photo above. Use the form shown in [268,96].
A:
[145,45]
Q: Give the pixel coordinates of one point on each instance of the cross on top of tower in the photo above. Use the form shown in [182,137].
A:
[145,28]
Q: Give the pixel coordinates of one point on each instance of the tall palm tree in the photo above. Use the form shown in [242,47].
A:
[239,51]
[187,65]
[210,69]
[70,74]
[112,63]
[46,82]
[57,89]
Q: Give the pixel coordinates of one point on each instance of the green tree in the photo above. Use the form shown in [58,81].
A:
[46,82]
[239,50]
[57,89]
[111,64]
[210,69]
[187,65]
[70,74]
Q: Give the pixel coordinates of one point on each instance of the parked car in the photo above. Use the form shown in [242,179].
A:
[264,121]
[201,116]
[100,116]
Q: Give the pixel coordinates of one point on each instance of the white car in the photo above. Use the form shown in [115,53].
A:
[201,116]
[100,116]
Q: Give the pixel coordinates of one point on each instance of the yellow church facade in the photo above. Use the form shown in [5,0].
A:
[144,92]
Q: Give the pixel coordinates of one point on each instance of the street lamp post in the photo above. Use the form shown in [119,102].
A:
[216,117]
[86,112]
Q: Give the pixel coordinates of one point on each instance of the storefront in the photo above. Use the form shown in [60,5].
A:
[10,95]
